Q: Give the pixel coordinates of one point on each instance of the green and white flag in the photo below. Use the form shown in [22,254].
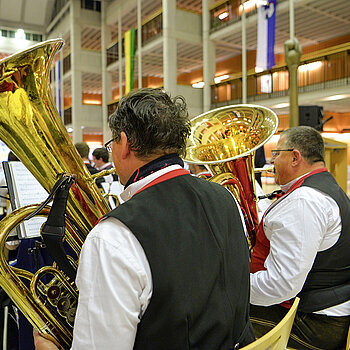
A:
[129,45]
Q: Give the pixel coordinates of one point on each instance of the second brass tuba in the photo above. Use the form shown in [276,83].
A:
[225,139]
[32,128]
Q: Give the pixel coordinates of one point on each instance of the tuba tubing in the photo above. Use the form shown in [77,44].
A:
[225,140]
[32,128]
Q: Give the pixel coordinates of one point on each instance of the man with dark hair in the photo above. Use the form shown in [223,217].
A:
[100,157]
[303,248]
[169,268]
[83,150]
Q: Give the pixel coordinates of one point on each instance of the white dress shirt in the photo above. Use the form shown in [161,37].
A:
[114,282]
[104,166]
[305,222]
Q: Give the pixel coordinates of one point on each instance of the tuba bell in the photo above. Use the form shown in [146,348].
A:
[32,128]
[225,140]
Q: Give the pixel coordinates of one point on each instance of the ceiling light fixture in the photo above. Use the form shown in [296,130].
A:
[20,34]
[221,78]
[198,85]
[223,15]
[335,97]
[310,66]
[281,105]
[92,102]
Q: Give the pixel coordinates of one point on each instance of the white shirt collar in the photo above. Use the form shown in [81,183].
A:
[104,166]
[287,186]
[136,186]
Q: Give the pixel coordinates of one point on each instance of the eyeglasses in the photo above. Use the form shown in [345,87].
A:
[275,152]
[108,144]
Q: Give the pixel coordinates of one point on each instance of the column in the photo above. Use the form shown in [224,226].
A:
[106,76]
[76,74]
[62,80]
[209,56]
[292,54]
[244,56]
[120,60]
[139,43]
[169,47]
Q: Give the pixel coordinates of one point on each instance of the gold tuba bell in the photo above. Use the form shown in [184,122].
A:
[32,128]
[225,140]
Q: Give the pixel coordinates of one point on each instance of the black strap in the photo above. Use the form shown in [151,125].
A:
[54,229]
[271,195]
[55,188]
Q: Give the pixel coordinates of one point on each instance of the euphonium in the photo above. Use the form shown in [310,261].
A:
[225,139]
[32,128]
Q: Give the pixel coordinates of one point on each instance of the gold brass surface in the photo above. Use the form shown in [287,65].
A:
[32,128]
[229,133]
[225,139]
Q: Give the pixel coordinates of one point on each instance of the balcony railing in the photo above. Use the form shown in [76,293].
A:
[67,116]
[230,11]
[66,64]
[314,74]
[91,5]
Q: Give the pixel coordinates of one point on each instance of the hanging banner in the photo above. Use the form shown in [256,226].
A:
[265,52]
[58,86]
[129,47]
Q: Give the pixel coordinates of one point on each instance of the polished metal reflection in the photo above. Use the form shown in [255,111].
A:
[32,128]
[229,133]
[225,139]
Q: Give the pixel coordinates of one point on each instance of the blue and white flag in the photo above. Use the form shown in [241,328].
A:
[265,55]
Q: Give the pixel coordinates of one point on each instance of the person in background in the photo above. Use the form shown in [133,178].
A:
[168,268]
[199,170]
[303,248]
[11,245]
[259,162]
[100,157]
[10,254]
[84,150]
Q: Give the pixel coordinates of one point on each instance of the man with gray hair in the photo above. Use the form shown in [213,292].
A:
[303,247]
[169,267]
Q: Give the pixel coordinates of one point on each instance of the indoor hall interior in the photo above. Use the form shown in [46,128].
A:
[204,50]
[200,49]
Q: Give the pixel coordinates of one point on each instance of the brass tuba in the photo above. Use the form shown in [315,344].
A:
[225,139]
[32,128]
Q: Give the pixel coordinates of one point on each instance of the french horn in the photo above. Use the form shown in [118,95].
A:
[225,139]
[32,128]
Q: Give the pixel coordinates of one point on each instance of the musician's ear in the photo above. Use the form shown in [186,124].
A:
[296,157]
[125,145]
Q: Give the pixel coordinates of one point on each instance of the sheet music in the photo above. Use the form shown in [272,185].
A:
[27,190]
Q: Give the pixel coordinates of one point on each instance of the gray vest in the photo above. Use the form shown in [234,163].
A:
[328,282]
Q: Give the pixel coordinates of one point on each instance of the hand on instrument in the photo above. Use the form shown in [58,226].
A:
[42,343]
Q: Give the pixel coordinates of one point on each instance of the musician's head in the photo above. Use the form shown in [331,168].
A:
[83,149]
[298,151]
[151,124]
[100,156]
